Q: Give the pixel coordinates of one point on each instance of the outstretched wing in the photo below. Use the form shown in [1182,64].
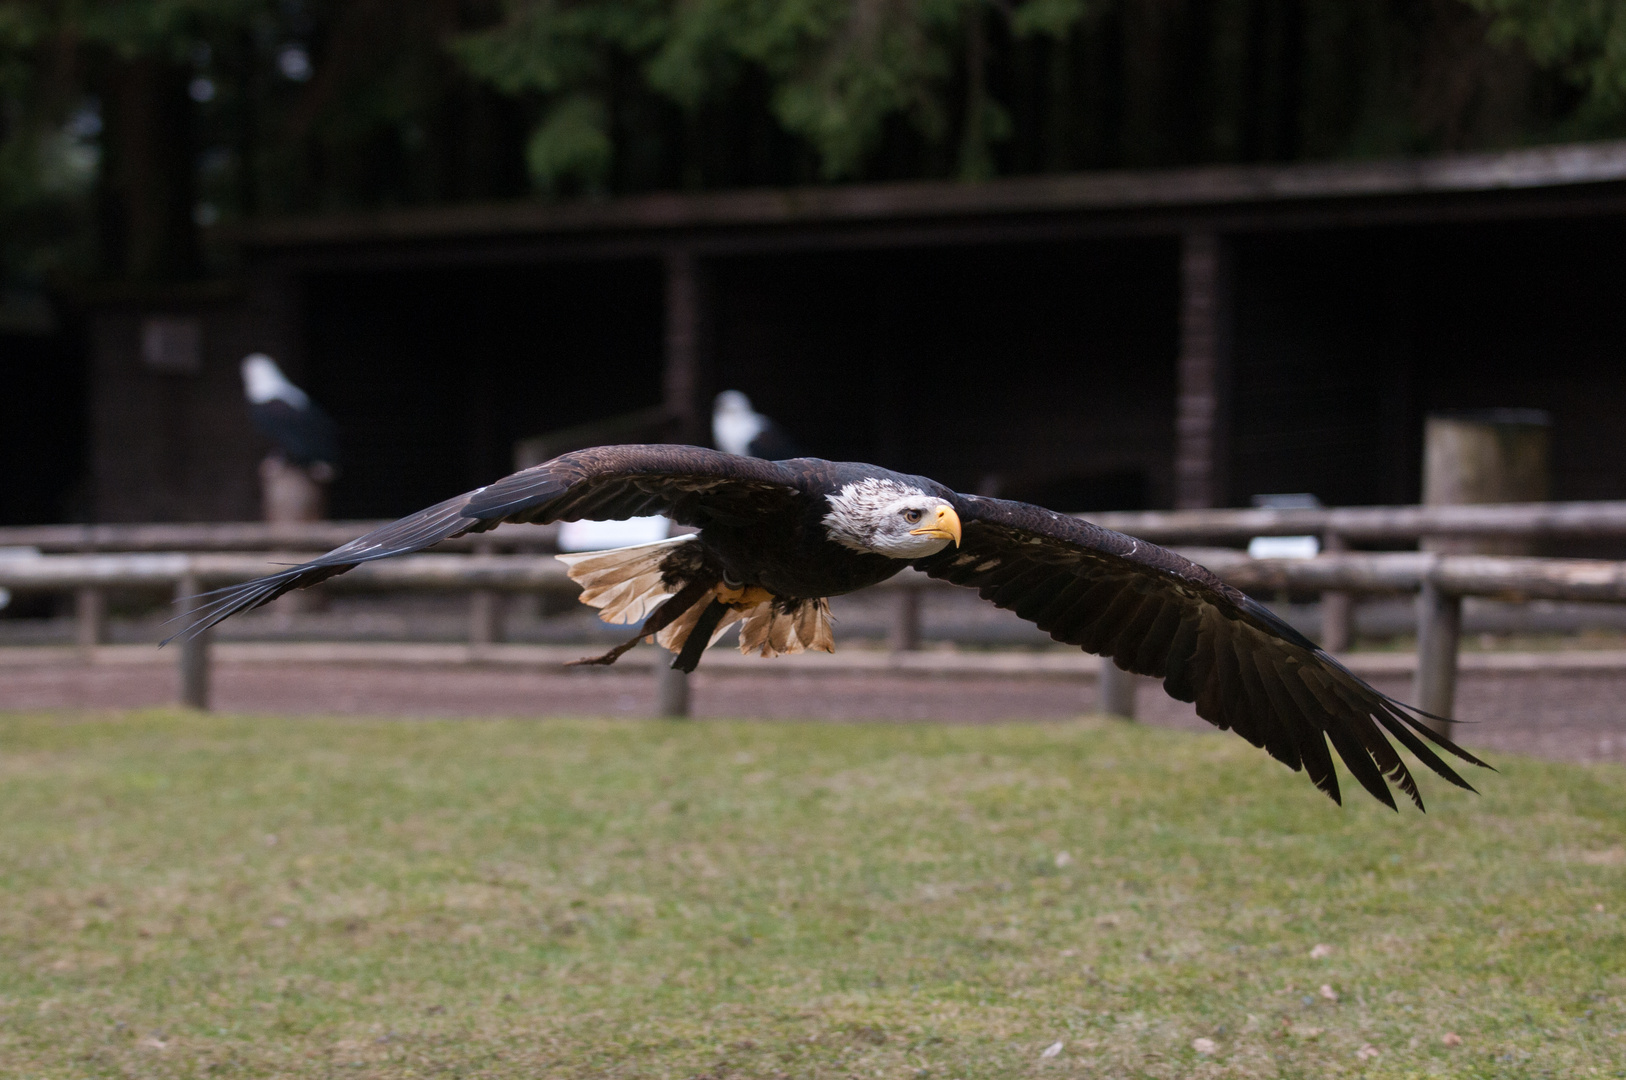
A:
[1158,614]
[691,485]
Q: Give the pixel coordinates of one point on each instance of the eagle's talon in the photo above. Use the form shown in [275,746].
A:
[744,596]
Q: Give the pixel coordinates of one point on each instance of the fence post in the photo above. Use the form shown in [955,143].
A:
[192,660]
[904,633]
[90,617]
[485,617]
[1439,627]
[1116,695]
[1337,608]
[485,606]
[671,690]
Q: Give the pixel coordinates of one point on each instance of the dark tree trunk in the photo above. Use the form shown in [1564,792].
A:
[148,192]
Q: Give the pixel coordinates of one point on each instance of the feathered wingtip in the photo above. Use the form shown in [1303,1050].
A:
[222,604]
[1405,723]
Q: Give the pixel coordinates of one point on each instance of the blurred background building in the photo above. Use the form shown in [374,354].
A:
[1111,255]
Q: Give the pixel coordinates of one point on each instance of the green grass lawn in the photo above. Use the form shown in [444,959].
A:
[207,896]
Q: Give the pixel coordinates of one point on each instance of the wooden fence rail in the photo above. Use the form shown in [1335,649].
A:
[1377,524]
[1440,581]
[1356,524]
[1498,576]
[248,536]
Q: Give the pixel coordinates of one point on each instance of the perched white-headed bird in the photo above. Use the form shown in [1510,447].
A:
[304,434]
[737,428]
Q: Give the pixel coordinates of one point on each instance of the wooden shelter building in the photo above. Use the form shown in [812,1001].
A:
[1126,340]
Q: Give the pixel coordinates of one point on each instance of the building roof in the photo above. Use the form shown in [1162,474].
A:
[1584,178]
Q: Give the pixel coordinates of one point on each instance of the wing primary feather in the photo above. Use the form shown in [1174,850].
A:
[1349,686]
[1251,711]
[1422,752]
[1061,601]
[1360,765]
[1132,636]
[1181,659]
[1294,710]
[231,600]
[1093,632]
[1010,583]
[1405,712]
[1085,609]
[1306,737]
[1358,716]
[1398,723]
[1151,657]
[1297,681]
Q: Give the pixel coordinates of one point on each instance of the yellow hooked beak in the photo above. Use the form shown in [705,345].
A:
[945,526]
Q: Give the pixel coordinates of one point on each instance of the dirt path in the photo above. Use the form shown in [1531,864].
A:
[1573,717]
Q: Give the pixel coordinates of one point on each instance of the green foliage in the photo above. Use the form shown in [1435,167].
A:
[563,53]
[839,69]
[167,28]
[877,61]
[1585,39]
[214,896]
[47,164]
[571,143]
[551,46]
[1054,18]
[423,101]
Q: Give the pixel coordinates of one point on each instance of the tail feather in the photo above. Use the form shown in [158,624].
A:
[769,631]
[625,584]
[628,584]
[676,635]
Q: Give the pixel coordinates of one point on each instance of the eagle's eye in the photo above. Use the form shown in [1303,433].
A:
[911,516]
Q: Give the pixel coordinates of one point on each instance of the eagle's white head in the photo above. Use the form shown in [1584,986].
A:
[884,517]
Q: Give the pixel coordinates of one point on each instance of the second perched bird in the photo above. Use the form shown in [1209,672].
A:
[737,428]
[304,434]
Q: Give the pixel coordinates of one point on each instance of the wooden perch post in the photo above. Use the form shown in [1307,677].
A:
[1115,690]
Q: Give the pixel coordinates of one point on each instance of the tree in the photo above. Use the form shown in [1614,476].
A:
[126,126]
[1584,39]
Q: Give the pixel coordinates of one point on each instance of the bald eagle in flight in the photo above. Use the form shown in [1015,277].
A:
[778,538]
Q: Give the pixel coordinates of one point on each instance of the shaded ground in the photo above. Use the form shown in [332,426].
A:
[1570,717]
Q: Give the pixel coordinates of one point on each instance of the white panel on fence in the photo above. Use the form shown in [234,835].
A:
[598,535]
[14,553]
[1284,547]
